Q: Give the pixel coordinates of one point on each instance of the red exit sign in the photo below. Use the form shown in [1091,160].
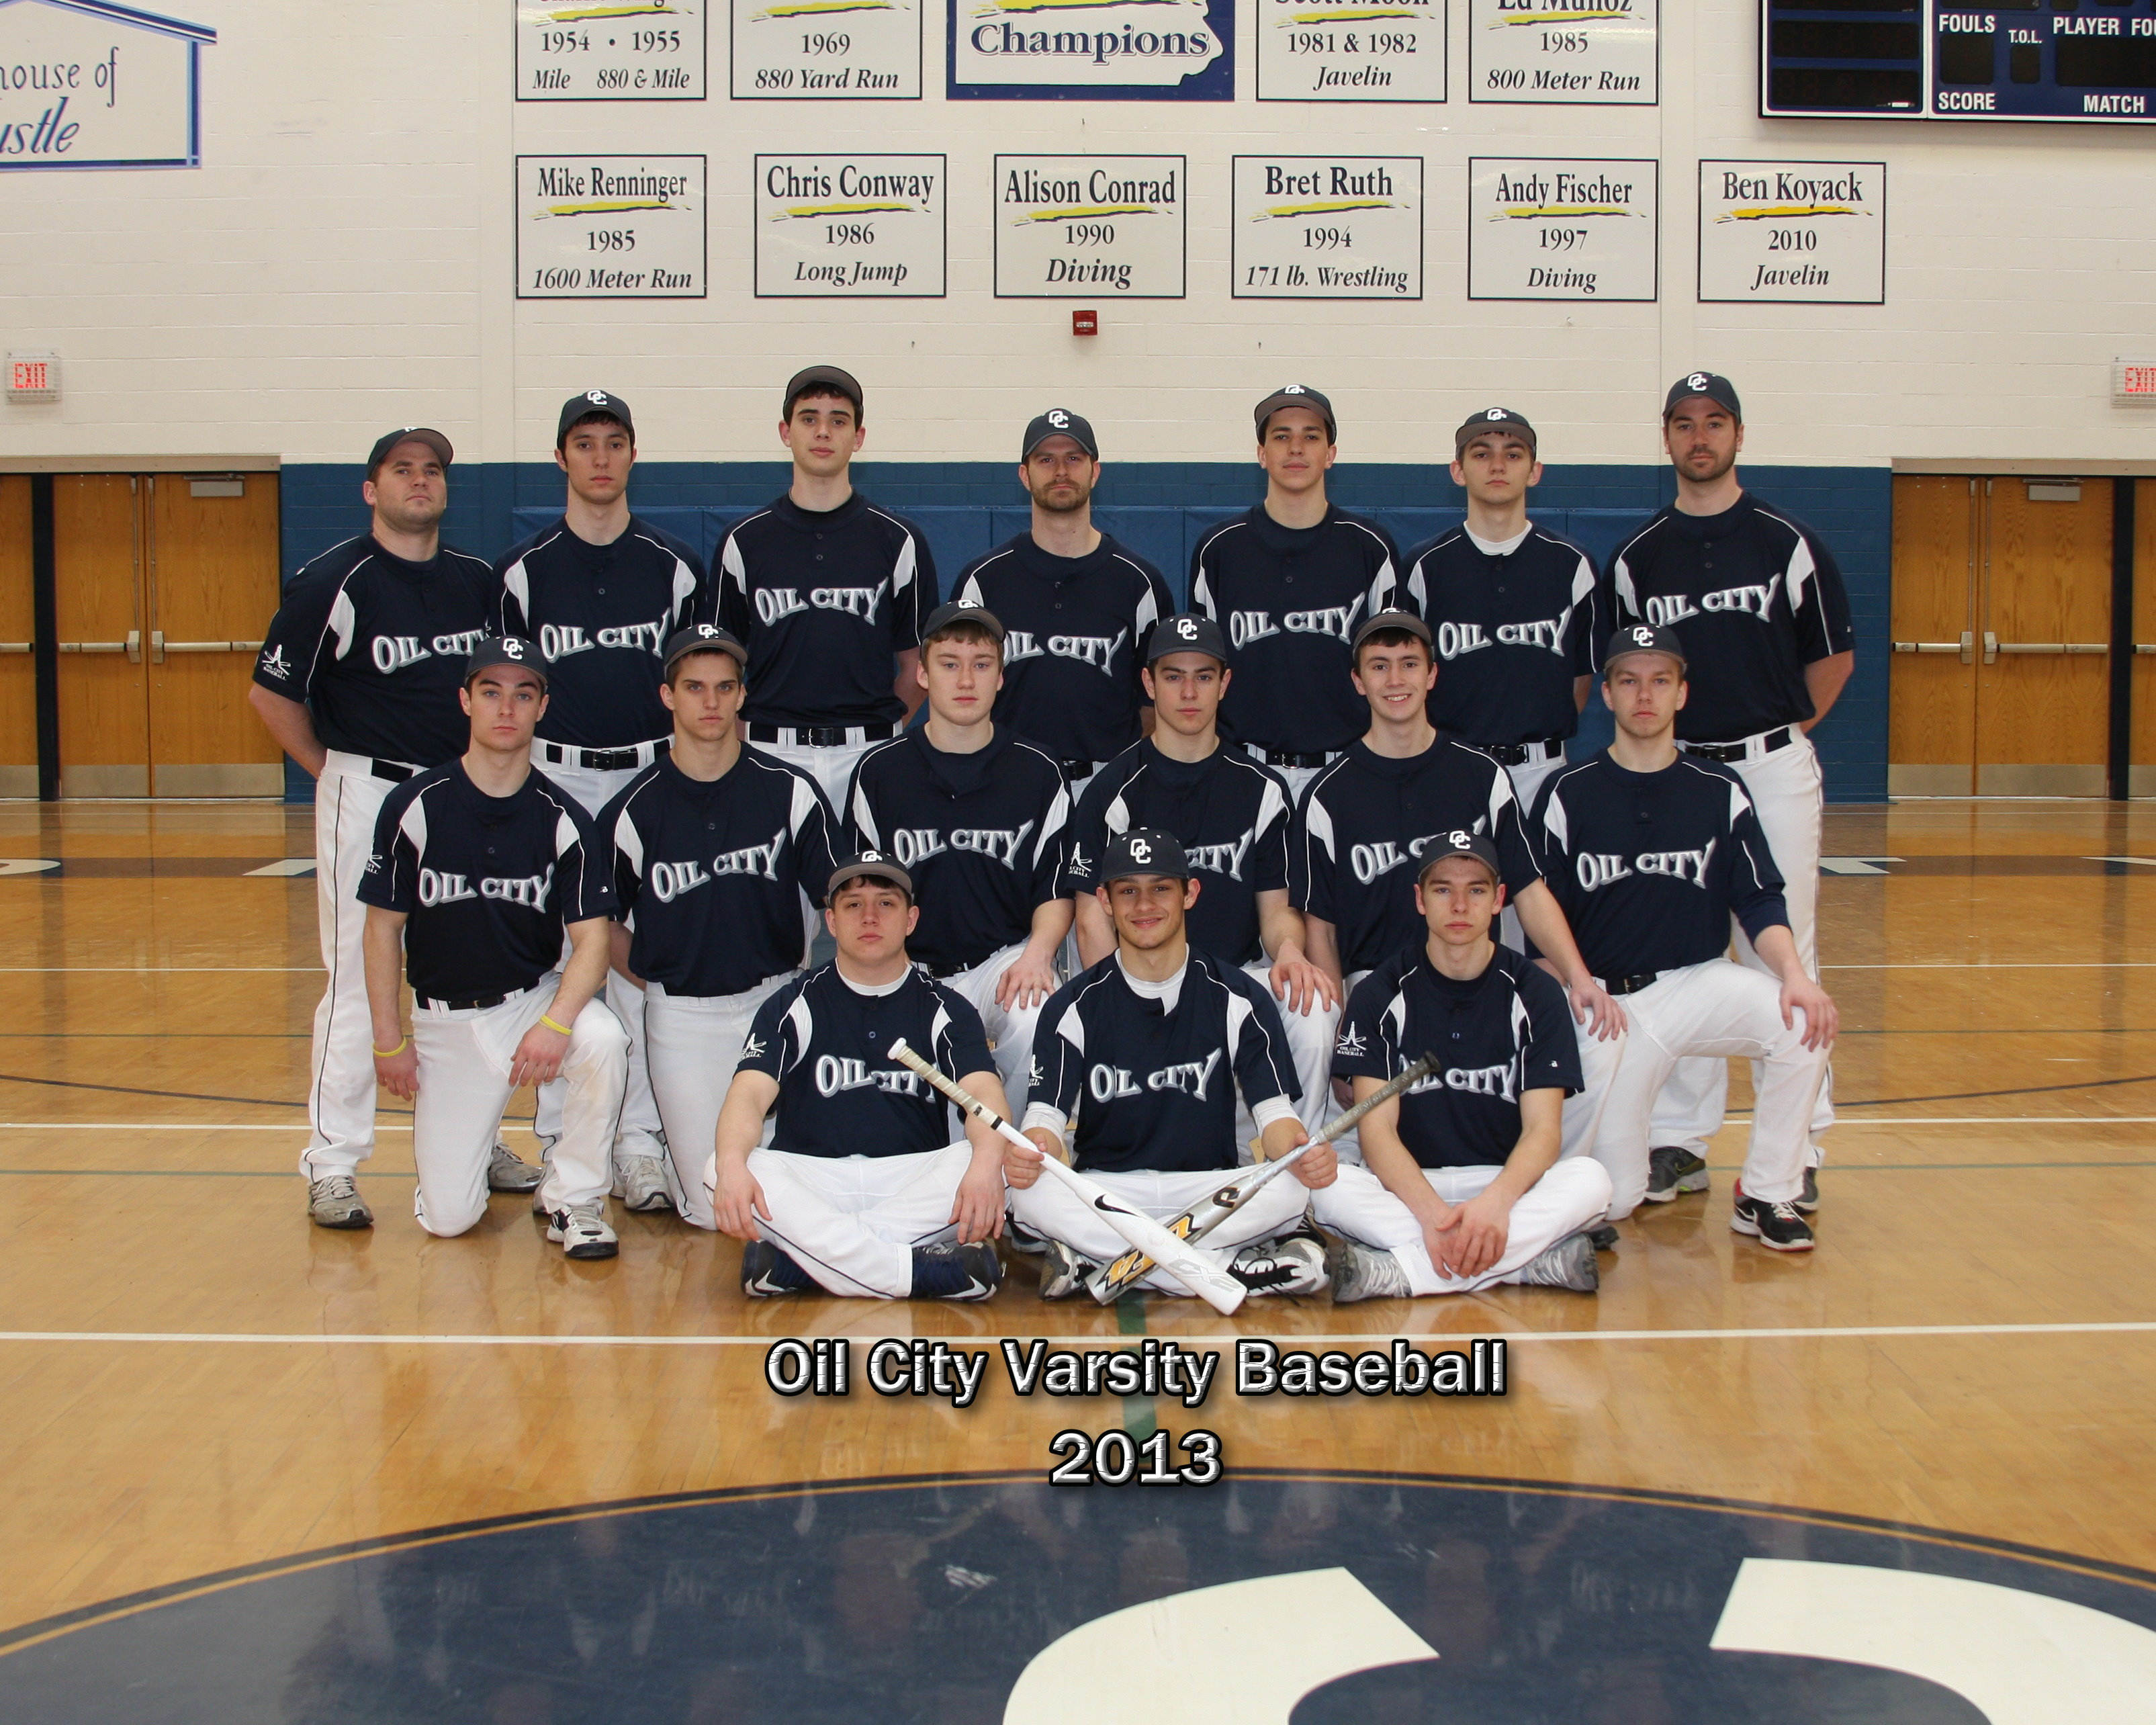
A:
[33,376]
[2134,383]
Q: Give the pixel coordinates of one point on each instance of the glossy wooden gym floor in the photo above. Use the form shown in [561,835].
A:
[1973,1346]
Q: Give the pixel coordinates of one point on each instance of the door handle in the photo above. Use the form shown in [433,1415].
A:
[132,646]
[2138,647]
[156,646]
[1963,647]
[1990,640]
[160,646]
[2055,648]
[26,646]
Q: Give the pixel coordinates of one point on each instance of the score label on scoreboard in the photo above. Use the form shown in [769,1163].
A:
[571,53]
[1589,53]
[1328,228]
[1803,232]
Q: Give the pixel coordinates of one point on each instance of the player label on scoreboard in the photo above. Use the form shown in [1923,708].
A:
[1589,52]
[610,227]
[587,51]
[1798,231]
[1328,228]
[1351,51]
[1085,226]
[1561,229]
[861,50]
[849,227]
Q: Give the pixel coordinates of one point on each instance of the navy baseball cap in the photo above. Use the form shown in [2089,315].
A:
[1059,422]
[944,615]
[592,404]
[1296,395]
[1491,419]
[703,638]
[869,862]
[1460,842]
[505,650]
[822,380]
[1186,634]
[1642,638]
[1715,388]
[410,434]
[1143,850]
[1378,620]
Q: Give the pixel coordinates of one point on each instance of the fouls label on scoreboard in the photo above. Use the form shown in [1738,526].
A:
[1561,229]
[1590,52]
[1328,228]
[610,227]
[849,227]
[1793,231]
[829,49]
[573,52]
[1089,226]
[1351,50]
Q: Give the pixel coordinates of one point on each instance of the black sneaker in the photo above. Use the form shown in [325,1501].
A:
[1673,1169]
[1808,1199]
[1022,1239]
[1063,1272]
[1603,1237]
[766,1271]
[952,1272]
[1776,1226]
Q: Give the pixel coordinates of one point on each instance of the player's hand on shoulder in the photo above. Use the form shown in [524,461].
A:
[1592,1006]
[1822,1016]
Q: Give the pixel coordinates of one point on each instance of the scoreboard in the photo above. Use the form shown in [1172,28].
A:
[2089,60]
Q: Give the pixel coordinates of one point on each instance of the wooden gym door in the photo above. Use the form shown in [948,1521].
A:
[2002,633]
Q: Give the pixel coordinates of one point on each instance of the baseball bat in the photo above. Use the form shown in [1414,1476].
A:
[1194,1223]
[1193,1269]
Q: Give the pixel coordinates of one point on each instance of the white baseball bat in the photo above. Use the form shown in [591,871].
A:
[1194,1270]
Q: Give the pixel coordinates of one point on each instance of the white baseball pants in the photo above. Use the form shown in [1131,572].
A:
[691,1045]
[1573,1193]
[1010,1028]
[1049,1207]
[1719,1010]
[1784,789]
[852,1222]
[464,1086]
[832,767]
[340,1090]
[1310,1038]
[1527,785]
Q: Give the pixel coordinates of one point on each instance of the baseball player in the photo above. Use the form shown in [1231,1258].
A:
[1232,818]
[1076,608]
[1141,1058]
[1652,850]
[480,866]
[861,1189]
[1757,601]
[715,849]
[1289,581]
[830,593]
[1461,1184]
[600,591]
[977,816]
[357,682]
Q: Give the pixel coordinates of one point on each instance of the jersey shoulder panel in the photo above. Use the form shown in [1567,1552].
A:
[1384,543]
[527,547]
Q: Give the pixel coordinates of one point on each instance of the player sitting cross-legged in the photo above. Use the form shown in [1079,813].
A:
[861,1188]
[1461,1184]
[1138,1060]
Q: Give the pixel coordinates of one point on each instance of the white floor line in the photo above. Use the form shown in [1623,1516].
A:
[1841,1120]
[2006,964]
[173,969]
[171,1126]
[300,1127]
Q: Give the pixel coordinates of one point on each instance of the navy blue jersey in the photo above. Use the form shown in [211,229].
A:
[600,615]
[1754,595]
[1144,1076]
[1513,630]
[828,1044]
[376,646]
[1364,823]
[488,883]
[1650,866]
[1076,630]
[981,835]
[1496,1036]
[824,600]
[709,875]
[1289,599]
[1231,817]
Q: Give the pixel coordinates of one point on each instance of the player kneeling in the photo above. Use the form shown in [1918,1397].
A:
[478,868]
[1139,1059]
[861,1188]
[1475,1176]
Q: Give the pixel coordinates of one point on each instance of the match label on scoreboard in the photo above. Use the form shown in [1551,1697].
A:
[1561,229]
[578,51]
[610,227]
[1082,225]
[849,227]
[1351,51]
[1589,53]
[861,50]
[1328,228]
[1802,232]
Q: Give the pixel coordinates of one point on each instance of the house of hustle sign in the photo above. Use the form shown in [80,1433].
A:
[83,85]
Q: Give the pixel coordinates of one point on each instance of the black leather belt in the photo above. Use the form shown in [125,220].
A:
[478,1004]
[1077,769]
[394,771]
[1515,754]
[606,760]
[1288,758]
[817,736]
[1630,984]
[1768,743]
[944,972]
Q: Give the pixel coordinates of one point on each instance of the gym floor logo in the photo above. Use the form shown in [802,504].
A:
[1336,1598]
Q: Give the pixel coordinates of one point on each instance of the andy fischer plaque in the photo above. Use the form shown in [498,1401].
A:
[1328,228]
[849,227]
[1561,229]
[1089,226]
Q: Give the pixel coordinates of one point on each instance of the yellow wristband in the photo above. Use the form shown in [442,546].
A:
[558,1029]
[391,1054]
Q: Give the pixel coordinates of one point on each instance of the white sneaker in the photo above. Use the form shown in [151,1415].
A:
[640,1182]
[582,1232]
[334,1202]
[1362,1272]
[1293,1266]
